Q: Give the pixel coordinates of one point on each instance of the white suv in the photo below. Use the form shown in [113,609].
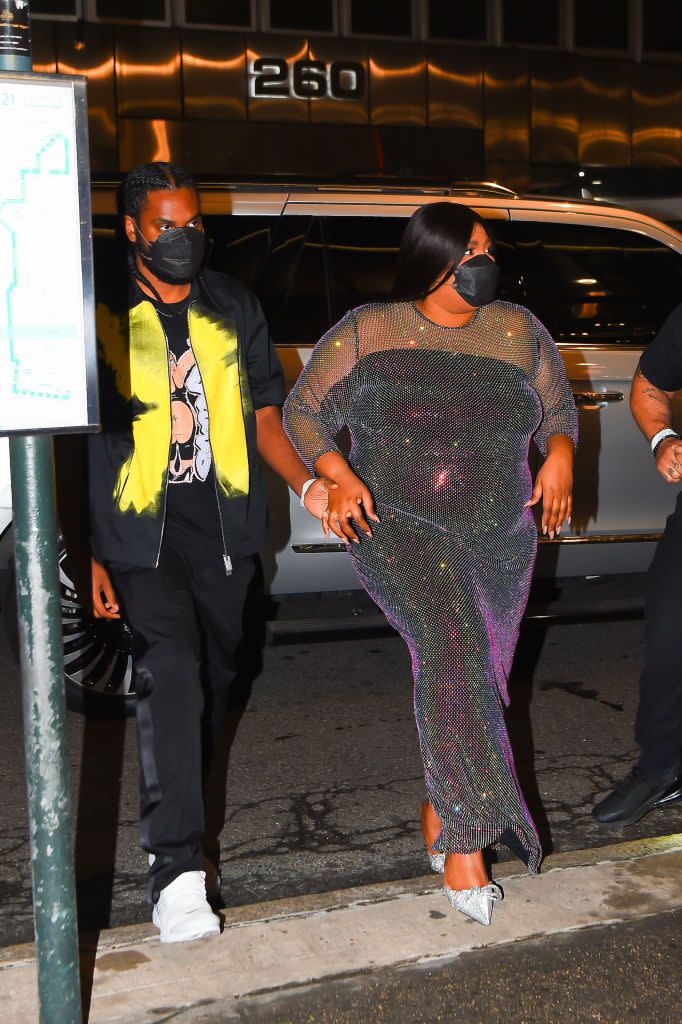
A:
[601,278]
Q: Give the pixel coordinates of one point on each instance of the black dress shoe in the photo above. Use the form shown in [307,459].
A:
[636,796]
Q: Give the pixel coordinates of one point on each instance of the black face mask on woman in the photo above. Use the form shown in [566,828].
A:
[477,280]
[175,256]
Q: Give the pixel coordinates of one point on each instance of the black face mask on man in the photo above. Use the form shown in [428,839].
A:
[176,256]
[477,280]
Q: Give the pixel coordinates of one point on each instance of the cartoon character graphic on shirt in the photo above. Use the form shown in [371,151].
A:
[190,453]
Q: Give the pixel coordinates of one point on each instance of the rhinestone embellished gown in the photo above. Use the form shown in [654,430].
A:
[440,420]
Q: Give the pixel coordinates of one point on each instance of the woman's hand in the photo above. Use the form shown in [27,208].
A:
[554,484]
[346,500]
[104,603]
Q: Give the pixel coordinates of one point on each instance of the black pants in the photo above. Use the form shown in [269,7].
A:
[659,716]
[187,622]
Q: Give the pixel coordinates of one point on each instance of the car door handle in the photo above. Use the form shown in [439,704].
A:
[597,399]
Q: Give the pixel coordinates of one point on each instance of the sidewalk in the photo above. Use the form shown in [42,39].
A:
[269,948]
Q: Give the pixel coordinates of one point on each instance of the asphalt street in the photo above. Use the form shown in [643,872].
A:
[324,778]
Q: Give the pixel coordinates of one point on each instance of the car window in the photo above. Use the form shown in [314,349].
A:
[592,283]
[293,289]
[239,245]
[282,260]
[362,259]
[362,254]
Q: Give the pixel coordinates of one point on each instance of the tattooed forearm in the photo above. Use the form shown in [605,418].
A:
[646,388]
[654,394]
[651,407]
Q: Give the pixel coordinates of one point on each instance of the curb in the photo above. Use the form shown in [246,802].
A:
[356,896]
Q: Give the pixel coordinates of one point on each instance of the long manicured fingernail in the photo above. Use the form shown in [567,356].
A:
[544,529]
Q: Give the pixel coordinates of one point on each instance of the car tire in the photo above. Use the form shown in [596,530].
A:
[99,679]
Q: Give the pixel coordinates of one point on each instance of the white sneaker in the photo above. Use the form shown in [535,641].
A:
[182,912]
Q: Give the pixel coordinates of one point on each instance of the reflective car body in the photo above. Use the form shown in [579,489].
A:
[601,278]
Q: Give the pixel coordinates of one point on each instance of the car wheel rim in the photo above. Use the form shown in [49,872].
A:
[97,653]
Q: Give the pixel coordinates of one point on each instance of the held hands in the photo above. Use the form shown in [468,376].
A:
[554,484]
[104,603]
[347,498]
[317,497]
[669,459]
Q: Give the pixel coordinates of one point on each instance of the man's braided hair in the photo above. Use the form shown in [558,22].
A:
[147,178]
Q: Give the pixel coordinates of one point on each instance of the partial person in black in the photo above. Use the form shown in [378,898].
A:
[190,396]
[657,780]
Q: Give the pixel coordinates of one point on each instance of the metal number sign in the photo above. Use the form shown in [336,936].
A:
[307,79]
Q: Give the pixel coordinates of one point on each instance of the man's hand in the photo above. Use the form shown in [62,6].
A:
[669,459]
[317,497]
[351,499]
[104,603]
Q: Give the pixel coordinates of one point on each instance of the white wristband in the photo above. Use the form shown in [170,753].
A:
[661,435]
[304,489]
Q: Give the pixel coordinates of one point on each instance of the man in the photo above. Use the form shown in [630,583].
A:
[190,391]
[656,780]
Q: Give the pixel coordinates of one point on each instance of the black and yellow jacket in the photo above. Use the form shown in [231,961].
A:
[128,460]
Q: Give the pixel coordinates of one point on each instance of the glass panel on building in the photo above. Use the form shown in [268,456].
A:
[457,20]
[602,25]
[303,15]
[131,10]
[218,12]
[662,26]
[531,22]
[55,8]
[381,17]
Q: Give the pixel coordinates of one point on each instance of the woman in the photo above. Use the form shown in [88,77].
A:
[442,391]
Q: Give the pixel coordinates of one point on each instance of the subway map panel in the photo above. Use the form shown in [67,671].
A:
[43,379]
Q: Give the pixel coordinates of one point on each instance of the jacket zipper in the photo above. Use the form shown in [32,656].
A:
[227,561]
[170,438]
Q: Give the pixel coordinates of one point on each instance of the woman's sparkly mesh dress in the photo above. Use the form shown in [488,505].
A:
[440,420]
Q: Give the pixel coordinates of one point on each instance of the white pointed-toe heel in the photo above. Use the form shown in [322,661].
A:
[477,902]
[437,861]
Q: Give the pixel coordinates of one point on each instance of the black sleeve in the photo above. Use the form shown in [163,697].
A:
[266,379]
[661,362]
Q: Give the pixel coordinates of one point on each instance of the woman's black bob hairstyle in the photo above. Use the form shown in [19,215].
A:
[433,244]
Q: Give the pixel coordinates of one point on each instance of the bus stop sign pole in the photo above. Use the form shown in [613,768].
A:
[42,670]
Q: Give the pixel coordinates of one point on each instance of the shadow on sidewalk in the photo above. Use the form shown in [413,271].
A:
[97,822]
[519,724]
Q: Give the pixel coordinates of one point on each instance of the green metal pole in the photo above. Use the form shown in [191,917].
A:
[42,671]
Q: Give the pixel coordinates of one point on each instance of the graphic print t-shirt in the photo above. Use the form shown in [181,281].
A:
[192,503]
